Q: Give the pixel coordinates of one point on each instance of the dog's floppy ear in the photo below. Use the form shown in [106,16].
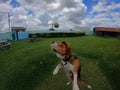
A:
[65,43]
[68,50]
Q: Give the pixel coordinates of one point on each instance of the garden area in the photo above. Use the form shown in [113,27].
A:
[29,65]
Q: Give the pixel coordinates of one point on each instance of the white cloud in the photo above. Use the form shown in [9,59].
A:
[105,7]
[38,14]
[4,9]
[56,9]
[103,14]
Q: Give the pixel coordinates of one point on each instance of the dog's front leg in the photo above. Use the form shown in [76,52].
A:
[75,85]
[57,68]
[68,76]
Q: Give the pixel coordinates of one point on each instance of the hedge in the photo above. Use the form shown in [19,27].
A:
[57,34]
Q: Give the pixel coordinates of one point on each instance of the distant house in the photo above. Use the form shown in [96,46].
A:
[105,31]
[19,33]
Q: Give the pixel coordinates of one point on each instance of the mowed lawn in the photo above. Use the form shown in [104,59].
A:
[29,65]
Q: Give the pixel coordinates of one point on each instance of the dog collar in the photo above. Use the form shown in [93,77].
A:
[68,58]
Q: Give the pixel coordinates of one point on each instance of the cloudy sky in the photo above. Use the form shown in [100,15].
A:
[40,14]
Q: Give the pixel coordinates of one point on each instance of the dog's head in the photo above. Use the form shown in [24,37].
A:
[62,49]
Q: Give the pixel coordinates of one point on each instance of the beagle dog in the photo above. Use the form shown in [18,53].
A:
[69,62]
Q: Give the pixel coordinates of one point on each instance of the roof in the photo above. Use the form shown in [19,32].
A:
[18,28]
[107,29]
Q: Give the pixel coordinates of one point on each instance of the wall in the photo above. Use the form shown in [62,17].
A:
[6,35]
[22,35]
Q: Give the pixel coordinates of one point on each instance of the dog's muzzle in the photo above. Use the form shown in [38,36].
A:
[53,46]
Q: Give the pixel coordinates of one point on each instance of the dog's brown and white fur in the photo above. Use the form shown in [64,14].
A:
[69,62]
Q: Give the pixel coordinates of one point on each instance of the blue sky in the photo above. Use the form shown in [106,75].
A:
[39,14]
[14,3]
[91,3]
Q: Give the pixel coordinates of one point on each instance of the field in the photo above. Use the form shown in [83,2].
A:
[29,65]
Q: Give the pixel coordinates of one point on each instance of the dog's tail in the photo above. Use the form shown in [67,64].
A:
[84,83]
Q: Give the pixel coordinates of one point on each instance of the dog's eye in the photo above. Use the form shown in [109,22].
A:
[61,45]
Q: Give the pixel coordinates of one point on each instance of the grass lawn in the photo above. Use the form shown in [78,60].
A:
[29,66]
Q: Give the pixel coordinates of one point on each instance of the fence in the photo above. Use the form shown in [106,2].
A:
[14,36]
[6,35]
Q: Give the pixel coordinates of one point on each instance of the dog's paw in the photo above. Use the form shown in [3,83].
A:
[89,87]
[55,72]
[68,83]
[75,87]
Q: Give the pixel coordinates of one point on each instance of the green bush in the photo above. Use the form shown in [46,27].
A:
[58,34]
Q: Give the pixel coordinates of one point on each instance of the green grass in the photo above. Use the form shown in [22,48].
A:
[29,66]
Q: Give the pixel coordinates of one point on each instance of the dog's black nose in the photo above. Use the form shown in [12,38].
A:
[53,42]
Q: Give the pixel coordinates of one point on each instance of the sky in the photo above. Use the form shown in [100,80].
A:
[40,14]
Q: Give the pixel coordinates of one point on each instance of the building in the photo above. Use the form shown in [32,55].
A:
[17,29]
[19,33]
[106,31]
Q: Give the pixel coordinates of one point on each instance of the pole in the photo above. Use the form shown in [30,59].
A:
[9,21]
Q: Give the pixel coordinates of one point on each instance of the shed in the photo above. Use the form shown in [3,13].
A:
[106,31]
[19,33]
[17,29]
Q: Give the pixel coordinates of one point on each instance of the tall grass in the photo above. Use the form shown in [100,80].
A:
[29,66]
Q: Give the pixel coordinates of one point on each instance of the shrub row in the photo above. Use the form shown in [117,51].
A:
[57,34]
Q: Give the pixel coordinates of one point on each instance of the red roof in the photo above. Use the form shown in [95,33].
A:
[107,29]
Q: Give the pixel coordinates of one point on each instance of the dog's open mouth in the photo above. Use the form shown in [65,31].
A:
[54,50]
